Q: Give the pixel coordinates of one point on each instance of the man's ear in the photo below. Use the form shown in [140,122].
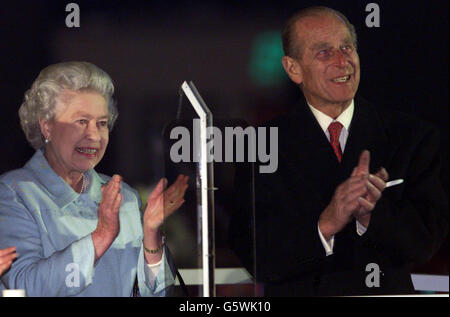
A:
[45,128]
[293,69]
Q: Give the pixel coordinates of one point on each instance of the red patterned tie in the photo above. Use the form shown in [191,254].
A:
[335,131]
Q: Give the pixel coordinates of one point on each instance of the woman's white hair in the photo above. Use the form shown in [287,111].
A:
[40,101]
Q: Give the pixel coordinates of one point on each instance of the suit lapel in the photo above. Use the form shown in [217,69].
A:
[367,131]
[307,152]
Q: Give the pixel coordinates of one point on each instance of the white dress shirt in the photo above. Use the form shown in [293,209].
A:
[151,270]
[345,118]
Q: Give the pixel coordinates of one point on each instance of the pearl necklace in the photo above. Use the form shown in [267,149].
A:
[85,184]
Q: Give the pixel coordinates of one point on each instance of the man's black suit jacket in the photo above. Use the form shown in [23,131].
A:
[407,225]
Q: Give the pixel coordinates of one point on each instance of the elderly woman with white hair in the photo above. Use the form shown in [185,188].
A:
[78,232]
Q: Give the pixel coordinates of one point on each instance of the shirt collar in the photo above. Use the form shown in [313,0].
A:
[344,118]
[61,192]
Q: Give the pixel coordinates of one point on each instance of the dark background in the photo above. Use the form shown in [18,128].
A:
[150,47]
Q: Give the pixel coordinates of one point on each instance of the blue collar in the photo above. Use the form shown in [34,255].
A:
[61,192]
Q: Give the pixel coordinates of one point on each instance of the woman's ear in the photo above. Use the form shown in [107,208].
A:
[45,128]
[293,69]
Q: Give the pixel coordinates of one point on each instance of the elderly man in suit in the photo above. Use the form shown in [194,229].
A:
[325,221]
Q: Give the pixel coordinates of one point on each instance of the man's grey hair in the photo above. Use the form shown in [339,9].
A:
[294,49]
[41,99]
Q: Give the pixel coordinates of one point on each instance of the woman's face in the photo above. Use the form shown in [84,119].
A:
[78,134]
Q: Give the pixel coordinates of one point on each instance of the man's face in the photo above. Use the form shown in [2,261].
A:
[329,63]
